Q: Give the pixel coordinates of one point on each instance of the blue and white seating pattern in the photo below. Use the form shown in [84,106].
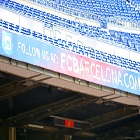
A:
[135,3]
[127,40]
[104,9]
[70,46]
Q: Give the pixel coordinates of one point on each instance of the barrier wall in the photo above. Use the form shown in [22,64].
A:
[30,50]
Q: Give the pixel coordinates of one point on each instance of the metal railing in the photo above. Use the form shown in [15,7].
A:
[123,22]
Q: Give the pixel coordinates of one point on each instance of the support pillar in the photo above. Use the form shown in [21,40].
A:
[7,133]
[12,133]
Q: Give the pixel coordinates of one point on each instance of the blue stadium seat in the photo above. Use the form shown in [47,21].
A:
[11,26]
[51,20]
[25,31]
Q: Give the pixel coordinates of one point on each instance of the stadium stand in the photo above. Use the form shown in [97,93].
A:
[126,40]
[101,10]
[135,3]
[70,46]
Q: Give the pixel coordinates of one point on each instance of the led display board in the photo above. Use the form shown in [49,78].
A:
[39,53]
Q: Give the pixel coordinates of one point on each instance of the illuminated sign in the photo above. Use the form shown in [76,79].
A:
[74,124]
[30,50]
[69,123]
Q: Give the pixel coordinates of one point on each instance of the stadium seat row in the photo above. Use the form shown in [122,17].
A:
[70,46]
[104,9]
[135,3]
[127,40]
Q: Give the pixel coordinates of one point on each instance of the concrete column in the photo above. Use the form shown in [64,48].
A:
[12,133]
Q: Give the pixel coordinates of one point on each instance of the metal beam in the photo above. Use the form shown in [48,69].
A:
[121,131]
[55,129]
[12,89]
[47,110]
[15,88]
[41,127]
[109,118]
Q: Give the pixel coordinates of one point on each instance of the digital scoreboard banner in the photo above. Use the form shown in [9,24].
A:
[33,51]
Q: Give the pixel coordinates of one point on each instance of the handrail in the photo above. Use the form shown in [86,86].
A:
[123,23]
